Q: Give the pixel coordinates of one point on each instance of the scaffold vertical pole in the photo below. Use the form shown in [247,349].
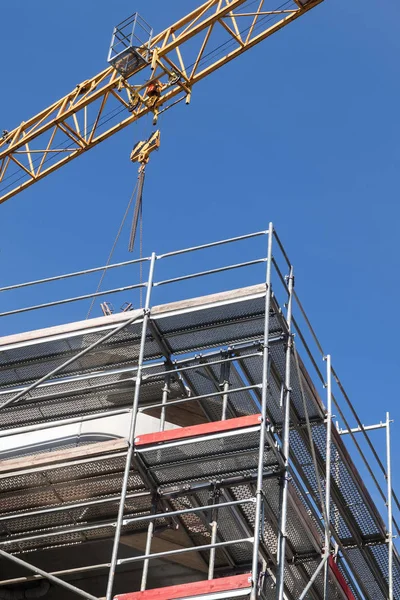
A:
[224,384]
[280,582]
[214,532]
[129,456]
[389,507]
[328,472]
[225,400]
[165,393]
[264,398]
[147,551]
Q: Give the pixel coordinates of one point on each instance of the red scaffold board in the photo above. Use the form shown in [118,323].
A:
[172,435]
[197,588]
[340,579]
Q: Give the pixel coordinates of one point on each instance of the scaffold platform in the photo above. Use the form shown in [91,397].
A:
[228,469]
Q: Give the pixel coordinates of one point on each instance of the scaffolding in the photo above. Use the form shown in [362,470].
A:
[253,493]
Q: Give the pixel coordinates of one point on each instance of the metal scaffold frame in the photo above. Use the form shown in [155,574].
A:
[260,466]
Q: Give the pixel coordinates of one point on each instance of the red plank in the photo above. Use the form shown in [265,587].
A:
[197,588]
[340,579]
[197,430]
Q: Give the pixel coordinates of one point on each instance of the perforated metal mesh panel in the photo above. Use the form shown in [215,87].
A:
[102,380]
[206,380]
[28,363]
[381,555]
[75,481]
[353,514]
[369,582]
[206,457]
[216,326]
[98,395]
[344,572]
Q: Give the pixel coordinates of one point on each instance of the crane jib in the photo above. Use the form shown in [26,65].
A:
[175,59]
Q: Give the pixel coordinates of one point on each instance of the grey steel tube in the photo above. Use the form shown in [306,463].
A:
[213,244]
[209,272]
[66,507]
[390,508]
[38,577]
[202,397]
[349,430]
[130,559]
[150,531]
[146,313]
[313,578]
[88,527]
[354,412]
[225,400]
[345,421]
[72,379]
[185,511]
[96,375]
[282,249]
[214,530]
[17,311]
[264,398]
[328,471]
[280,584]
[75,274]
[165,393]
[364,428]
[198,366]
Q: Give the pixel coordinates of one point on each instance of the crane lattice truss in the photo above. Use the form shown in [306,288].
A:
[183,54]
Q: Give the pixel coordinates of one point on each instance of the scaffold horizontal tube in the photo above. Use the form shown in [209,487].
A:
[202,397]
[66,507]
[210,272]
[73,274]
[213,244]
[187,511]
[121,561]
[18,311]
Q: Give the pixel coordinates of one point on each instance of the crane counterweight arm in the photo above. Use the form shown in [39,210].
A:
[186,52]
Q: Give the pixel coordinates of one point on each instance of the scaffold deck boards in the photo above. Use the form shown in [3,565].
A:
[240,585]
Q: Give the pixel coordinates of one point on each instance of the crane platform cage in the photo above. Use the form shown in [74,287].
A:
[130,45]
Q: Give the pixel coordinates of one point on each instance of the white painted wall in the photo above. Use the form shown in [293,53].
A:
[114,426]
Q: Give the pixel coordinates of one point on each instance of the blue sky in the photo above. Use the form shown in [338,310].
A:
[303,130]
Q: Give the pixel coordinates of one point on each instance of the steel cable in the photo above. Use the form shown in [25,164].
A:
[113,248]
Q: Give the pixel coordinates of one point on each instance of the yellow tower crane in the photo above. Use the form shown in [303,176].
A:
[147,74]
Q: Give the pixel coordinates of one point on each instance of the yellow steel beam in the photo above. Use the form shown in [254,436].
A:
[75,123]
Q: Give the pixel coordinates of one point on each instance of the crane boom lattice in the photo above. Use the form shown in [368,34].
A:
[180,56]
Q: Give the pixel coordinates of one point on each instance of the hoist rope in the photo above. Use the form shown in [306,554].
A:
[113,247]
[141,255]
[138,220]
[137,210]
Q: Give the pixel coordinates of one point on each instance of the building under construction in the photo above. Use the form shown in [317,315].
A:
[193,446]
[226,478]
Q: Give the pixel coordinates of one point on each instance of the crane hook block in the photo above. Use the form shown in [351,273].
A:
[141,152]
